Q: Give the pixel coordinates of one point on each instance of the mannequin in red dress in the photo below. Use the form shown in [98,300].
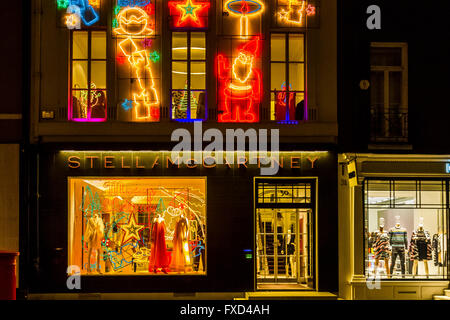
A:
[158,254]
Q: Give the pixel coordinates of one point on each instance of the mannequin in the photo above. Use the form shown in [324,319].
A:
[381,247]
[158,255]
[399,242]
[94,236]
[420,248]
[181,259]
[291,253]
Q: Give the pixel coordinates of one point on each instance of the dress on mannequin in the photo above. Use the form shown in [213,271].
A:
[420,248]
[158,254]
[381,248]
[181,259]
[94,236]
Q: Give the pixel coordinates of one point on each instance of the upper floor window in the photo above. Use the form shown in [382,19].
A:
[88,76]
[188,92]
[287,80]
[389,92]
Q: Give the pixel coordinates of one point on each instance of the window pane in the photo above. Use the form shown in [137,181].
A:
[198,105]
[80,45]
[296,47]
[278,47]
[80,74]
[395,90]
[377,89]
[297,76]
[198,75]
[179,75]
[277,76]
[79,104]
[385,56]
[198,46]
[98,74]
[405,193]
[98,104]
[179,104]
[98,45]
[179,45]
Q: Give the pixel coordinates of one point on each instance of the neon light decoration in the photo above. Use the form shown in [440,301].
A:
[296,12]
[83,9]
[133,3]
[285,106]
[189,14]
[134,23]
[244,9]
[240,86]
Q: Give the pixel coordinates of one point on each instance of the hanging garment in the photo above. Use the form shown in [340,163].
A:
[420,248]
[181,259]
[381,245]
[436,249]
[199,255]
[158,255]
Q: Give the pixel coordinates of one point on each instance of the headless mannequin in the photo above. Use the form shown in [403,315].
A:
[386,259]
[94,235]
[292,262]
[416,262]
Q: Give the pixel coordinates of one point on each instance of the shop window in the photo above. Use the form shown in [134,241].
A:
[188,94]
[137,226]
[138,61]
[88,76]
[389,92]
[406,229]
[287,78]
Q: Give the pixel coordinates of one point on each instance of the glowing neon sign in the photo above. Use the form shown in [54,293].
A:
[188,13]
[133,3]
[84,9]
[135,23]
[244,9]
[296,12]
[240,85]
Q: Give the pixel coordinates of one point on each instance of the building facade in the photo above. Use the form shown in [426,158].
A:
[117,80]
[393,183]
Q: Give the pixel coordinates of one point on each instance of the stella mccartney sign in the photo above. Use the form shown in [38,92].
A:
[87,160]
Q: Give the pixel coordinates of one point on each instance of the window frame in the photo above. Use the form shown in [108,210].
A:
[445,207]
[188,62]
[89,61]
[287,64]
[403,69]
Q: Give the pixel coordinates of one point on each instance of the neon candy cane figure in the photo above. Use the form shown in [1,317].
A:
[240,85]
[134,23]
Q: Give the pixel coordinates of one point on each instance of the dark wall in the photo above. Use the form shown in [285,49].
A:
[230,229]
[424,27]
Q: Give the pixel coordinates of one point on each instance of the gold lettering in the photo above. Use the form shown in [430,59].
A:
[124,166]
[108,163]
[295,161]
[137,164]
[155,163]
[313,161]
[92,160]
[74,164]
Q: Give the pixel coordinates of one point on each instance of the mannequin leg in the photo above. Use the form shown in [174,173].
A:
[415,267]
[386,265]
[425,262]
[377,264]
[394,257]
[89,259]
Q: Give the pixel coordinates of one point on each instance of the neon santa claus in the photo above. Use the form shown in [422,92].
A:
[240,84]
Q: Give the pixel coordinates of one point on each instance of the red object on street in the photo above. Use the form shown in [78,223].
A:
[8,275]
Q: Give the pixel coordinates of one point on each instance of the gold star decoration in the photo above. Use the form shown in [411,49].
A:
[131,230]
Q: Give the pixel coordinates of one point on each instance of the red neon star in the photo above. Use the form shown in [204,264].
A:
[189,13]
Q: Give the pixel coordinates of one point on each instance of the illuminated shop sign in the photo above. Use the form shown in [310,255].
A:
[189,14]
[130,160]
[447,167]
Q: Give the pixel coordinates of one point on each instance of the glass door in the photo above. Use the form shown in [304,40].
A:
[284,235]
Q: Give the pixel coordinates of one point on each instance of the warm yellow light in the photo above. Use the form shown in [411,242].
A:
[244,14]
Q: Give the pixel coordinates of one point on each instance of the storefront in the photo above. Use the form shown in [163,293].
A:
[395,210]
[140,221]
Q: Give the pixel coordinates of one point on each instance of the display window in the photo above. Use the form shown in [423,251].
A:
[406,229]
[137,226]
[284,234]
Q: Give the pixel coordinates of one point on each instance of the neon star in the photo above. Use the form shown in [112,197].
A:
[131,230]
[127,105]
[189,12]
[154,56]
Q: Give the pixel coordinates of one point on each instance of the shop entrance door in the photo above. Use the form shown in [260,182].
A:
[284,235]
